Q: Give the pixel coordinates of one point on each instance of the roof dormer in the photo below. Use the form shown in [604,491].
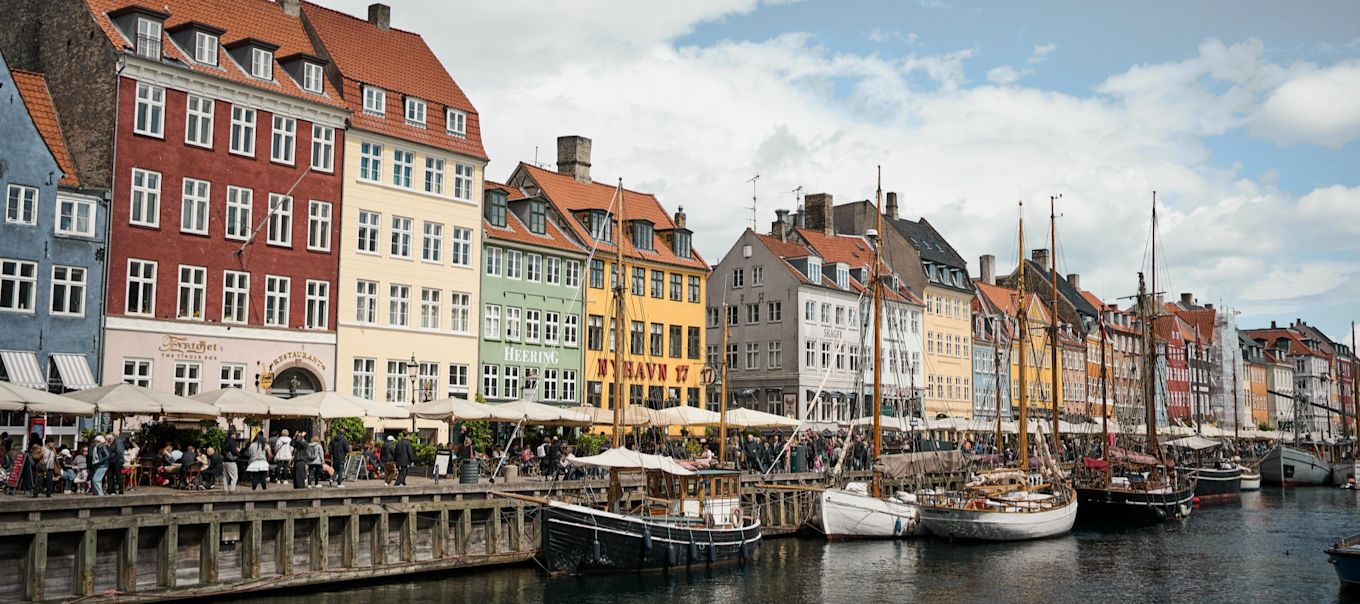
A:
[199,40]
[643,234]
[599,224]
[255,56]
[307,70]
[143,26]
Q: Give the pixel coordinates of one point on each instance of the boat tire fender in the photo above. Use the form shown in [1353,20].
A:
[646,538]
[693,551]
[712,553]
[671,556]
[595,550]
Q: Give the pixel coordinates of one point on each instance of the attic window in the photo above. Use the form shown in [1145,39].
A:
[814,269]
[455,122]
[538,217]
[375,101]
[642,235]
[842,276]
[261,64]
[311,77]
[600,225]
[496,207]
[205,48]
[149,38]
[682,244]
[415,112]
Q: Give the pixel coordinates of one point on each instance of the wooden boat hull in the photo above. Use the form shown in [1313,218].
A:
[849,514]
[1122,506]
[985,525]
[1345,560]
[578,539]
[1289,467]
[1218,484]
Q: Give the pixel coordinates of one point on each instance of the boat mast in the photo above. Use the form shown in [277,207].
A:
[1237,421]
[1355,396]
[1023,331]
[617,439]
[878,333]
[1150,320]
[1104,394]
[722,404]
[1053,320]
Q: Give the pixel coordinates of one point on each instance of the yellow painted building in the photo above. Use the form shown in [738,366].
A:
[663,279]
[410,221]
[1039,355]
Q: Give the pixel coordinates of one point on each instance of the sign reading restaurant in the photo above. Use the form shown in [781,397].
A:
[299,356]
[643,371]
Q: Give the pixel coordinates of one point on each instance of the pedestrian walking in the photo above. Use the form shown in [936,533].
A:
[302,456]
[406,456]
[339,453]
[99,460]
[316,457]
[258,455]
[117,449]
[231,453]
[389,460]
[283,454]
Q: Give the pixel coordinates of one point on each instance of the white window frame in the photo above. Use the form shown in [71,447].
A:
[205,48]
[415,112]
[235,297]
[432,242]
[148,41]
[137,372]
[261,64]
[402,232]
[283,148]
[21,205]
[146,286]
[370,229]
[366,302]
[149,117]
[198,121]
[434,175]
[431,308]
[191,297]
[18,277]
[145,199]
[370,162]
[312,75]
[365,377]
[231,375]
[280,231]
[240,209]
[375,101]
[188,378]
[323,148]
[533,268]
[460,247]
[512,323]
[243,120]
[514,264]
[319,225]
[398,305]
[460,316]
[79,213]
[403,168]
[493,261]
[571,330]
[463,181]
[458,380]
[455,122]
[491,326]
[317,311]
[277,300]
[194,206]
[68,291]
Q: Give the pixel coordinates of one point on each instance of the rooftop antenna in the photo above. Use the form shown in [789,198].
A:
[754,218]
[797,197]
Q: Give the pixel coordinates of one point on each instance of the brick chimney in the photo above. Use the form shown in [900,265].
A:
[987,267]
[680,217]
[573,157]
[1187,298]
[292,8]
[890,209]
[380,15]
[1075,280]
[817,208]
[1040,257]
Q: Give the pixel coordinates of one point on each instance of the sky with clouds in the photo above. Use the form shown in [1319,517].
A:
[1243,116]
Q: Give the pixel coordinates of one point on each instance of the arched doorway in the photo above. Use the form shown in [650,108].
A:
[293,382]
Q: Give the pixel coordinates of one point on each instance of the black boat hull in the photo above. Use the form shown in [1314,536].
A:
[577,539]
[1216,484]
[1134,507]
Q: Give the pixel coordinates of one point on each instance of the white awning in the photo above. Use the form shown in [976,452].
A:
[22,368]
[74,370]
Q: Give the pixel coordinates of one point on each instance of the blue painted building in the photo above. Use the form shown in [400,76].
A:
[51,249]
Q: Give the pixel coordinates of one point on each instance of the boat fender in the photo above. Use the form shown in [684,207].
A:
[693,551]
[735,517]
[741,552]
[671,555]
[646,539]
[1159,512]
[595,550]
[712,553]
[897,527]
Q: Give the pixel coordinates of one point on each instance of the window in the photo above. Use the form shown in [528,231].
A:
[573,274]
[512,323]
[231,376]
[415,112]
[675,287]
[462,311]
[427,375]
[840,316]
[401,237]
[318,304]
[730,360]
[776,312]
[775,355]
[568,385]
[137,372]
[657,344]
[642,235]
[312,77]
[635,338]
[458,380]
[496,208]
[188,378]
[323,148]
[146,198]
[429,308]
[262,63]
[75,216]
[141,288]
[460,247]
[738,277]
[242,131]
[193,216]
[552,324]
[149,38]
[514,264]
[276,300]
[150,115]
[68,291]
[843,277]
[375,101]
[826,313]
[493,261]
[692,340]
[434,175]
[694,289]
[753,355]
[366,302]
[369,225]
[538,217]
[462,181]
[826,354]
[531,324]
[553,274]
[840,359]
[550,384]
[455,122]
[280,220]
[571,328]
[658,284]
[809,311]
[752,314]
[398,305]
[432,242]
[491,381]
[601,225]
[193,288]
[235,296]
[682,244]
[639,281]
[511,382]
[810,354]
[365,378]
[732,314]
[21,205]
[403,165]
[491,325]
[757,275]
[533,268]
[319,226]
[198,121]
[238,212]
[597,274]
[396,381]
[595,332]
[370,162]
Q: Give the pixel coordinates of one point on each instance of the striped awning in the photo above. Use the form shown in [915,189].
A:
[74,370]
[22,368]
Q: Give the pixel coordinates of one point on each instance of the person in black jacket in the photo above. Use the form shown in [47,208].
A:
[389,460]
[301,457]
[231,469]
[339,452]
[406,456]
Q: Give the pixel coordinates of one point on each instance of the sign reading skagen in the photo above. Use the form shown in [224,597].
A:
[298,356]
[180,347]
[538,357]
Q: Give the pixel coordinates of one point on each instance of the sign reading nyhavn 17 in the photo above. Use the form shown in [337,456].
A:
[656,372]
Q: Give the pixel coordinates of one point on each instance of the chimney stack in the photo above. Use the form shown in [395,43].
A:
[680,218]
[1187,298]
[1040,257]
[987,265]
[573,157]
[380,15]
[292,8]
[890,210]
[780,228]
[817,208]
[1272,325]
[1075,280]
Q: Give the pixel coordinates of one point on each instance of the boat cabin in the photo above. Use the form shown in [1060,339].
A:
[711,495]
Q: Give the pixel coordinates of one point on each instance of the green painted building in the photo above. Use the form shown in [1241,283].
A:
[532,274]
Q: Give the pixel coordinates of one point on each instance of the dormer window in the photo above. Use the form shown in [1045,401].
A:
[842,276]
[600,224]
[415,111]
[375,101]
[312,77]
[149,38]
[496,207]
[205,48]
[642,235]
[261,63]
[455,122]
[538,217]
[814,269]
[682,244]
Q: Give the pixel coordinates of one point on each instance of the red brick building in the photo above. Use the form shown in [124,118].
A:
[1176,336]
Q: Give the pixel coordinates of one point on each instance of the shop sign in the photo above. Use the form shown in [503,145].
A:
[651,372]
[298,355]
[182,348]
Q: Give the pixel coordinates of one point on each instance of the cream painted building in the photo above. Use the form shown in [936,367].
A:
[410,220]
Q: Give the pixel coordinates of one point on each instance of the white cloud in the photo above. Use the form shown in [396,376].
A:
[1041,52]
[1321,108]
[1004,75]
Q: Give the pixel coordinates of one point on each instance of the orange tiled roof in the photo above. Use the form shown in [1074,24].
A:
[241,19]
[849,249]
[781,248]
[1093,299]
[33,89]
[570,195]
[516,230]
[1202,319]
[401,63]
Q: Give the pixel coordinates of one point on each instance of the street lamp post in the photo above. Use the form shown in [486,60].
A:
[412,372]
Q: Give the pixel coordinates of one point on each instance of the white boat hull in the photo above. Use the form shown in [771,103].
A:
[1251,479]
[1342,471]
[986,525]
[1289,467]
[852,515]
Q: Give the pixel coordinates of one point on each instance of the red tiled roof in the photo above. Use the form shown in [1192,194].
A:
[241,19]
[1094,300]
[401,63]
[781,248]
[511,193]
[570,195]
[516,230]
[33,88]
[1005,299]
[1201,319]
[1296,345]
[849,249]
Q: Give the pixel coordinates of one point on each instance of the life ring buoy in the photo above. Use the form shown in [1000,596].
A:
[735,517]
[975,504]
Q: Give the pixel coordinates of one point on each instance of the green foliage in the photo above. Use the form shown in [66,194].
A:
[692,447]
[479,432]
[351,427]
[1264,427]
[590,444]
[212,436]
[155,435]
[424,454]
[88,435]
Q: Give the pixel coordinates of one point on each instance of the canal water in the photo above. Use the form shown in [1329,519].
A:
[1268,548]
